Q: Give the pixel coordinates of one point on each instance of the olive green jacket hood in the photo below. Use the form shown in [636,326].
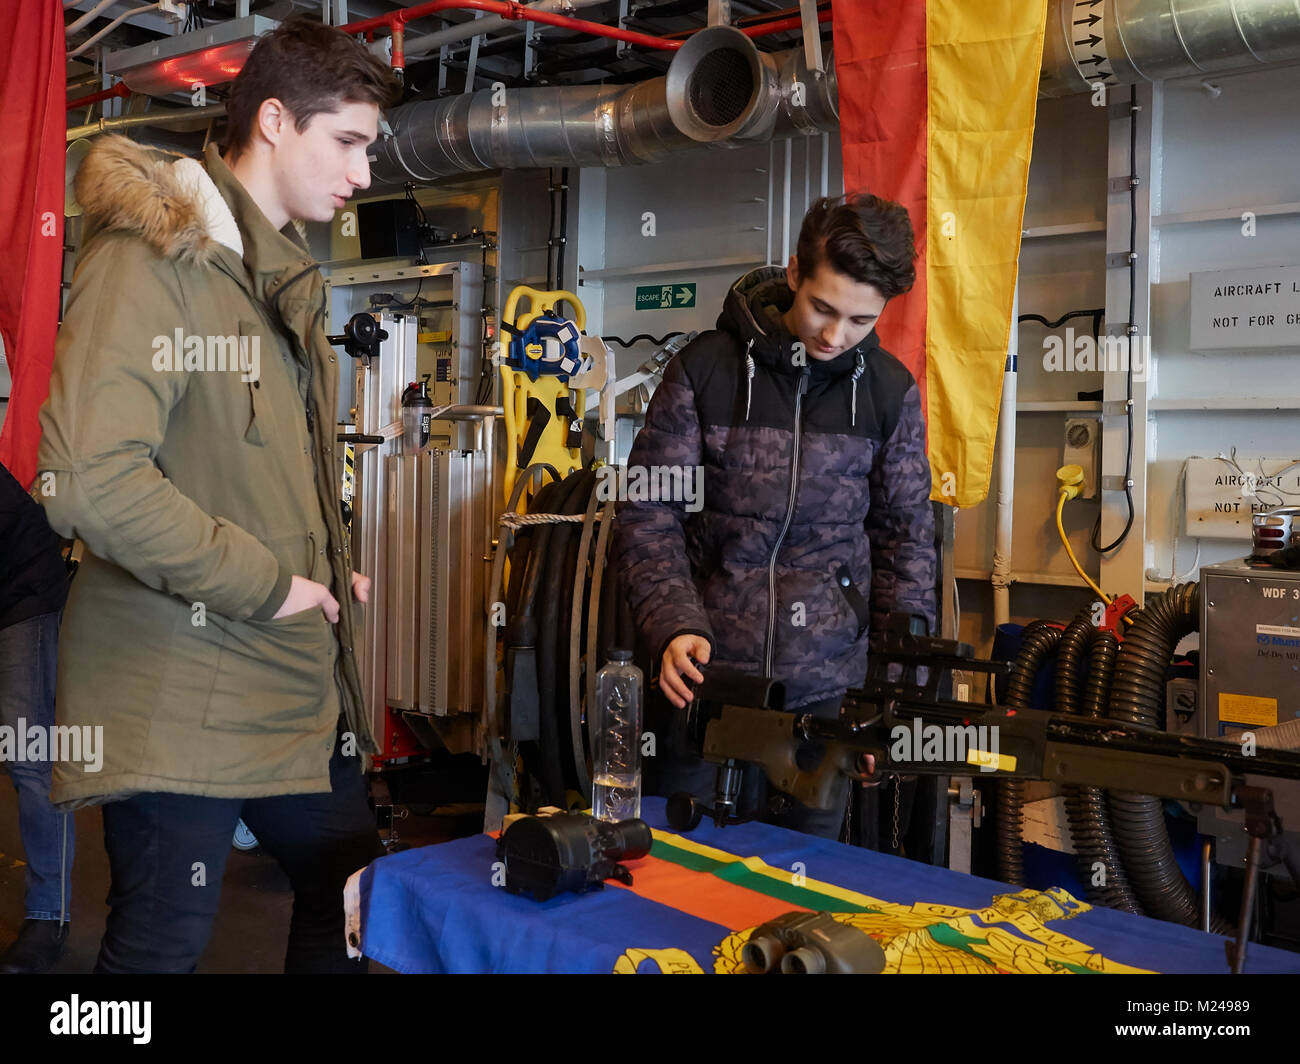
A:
[188,441]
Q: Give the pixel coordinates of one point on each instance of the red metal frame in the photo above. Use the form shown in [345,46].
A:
[397,742]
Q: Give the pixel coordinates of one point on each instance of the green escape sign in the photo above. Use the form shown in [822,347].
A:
[664,296]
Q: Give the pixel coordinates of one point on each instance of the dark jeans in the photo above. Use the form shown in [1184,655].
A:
[679,768]
[28,653]
[167,854]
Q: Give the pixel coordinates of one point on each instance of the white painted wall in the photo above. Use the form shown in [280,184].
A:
[708,205]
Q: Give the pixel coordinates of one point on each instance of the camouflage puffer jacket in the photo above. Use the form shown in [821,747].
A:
[815,520]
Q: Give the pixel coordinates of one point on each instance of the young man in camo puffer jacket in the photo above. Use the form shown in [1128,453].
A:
[816,521]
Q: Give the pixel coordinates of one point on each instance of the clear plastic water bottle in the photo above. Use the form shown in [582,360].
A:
[616,758]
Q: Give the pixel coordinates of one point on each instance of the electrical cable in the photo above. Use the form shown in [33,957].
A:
[1131,334]
[487,374]
[1060,528]
[1096,314]
[398,304]
[421,223]
[658,341]
[563,236]
[1272,489]
[1070,479]
[1180,506]
[550,230]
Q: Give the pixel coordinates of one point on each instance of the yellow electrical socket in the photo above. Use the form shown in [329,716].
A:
[1069,479]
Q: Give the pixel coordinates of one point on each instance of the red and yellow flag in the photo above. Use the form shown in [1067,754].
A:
[937,103]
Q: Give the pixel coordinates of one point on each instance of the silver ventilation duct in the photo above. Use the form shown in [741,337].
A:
[719,88]
[1119,42]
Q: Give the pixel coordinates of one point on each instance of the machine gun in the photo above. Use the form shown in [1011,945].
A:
[901,718]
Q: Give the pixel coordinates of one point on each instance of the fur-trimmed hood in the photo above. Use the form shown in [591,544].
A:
[166,199]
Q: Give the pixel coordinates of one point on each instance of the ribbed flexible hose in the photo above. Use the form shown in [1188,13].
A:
[1085,807]
[1137,696]
[570,498]
[1070,655]
[1038,640]
[553,627]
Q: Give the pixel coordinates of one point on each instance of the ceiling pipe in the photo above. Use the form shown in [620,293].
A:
[83,80]
[1120,42]
[119,89]
[178,117]
[89,41]
[86,19]
[719,88]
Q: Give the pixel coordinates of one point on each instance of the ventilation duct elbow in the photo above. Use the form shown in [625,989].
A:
[719,89]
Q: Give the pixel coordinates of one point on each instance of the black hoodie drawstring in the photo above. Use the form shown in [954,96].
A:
[749,376]
[853,386]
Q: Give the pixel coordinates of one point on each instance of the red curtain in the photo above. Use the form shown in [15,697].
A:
[33,117]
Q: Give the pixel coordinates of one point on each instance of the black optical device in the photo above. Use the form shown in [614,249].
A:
[361,336]
[547,855]
[801,943]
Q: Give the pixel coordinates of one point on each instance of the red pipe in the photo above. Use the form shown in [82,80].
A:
[399,49]
[510,9]
[762,28]
[119,89]
[765,28]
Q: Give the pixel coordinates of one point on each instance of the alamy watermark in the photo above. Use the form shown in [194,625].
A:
[77,1017]
[968,744]
[657,483]
[1083,354]
[36,743]
[179,353]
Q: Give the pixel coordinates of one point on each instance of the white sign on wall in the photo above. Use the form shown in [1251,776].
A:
[1222,497]
[1246,308]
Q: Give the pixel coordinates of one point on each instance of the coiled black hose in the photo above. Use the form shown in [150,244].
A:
[550,564]
[544,606]
[541,759]
[553,630]
[1097,855]
[1038,640]
[1101,670]
[1070,655]
[1137,696]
